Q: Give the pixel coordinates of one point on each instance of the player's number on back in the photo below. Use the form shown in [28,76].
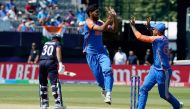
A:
[47,50]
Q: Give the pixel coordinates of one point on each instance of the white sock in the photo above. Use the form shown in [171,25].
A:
[108,93]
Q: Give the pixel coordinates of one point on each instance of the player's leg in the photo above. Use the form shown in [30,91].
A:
[163,79]
[106,69]
[43,85]
[149,82]
[96,70]
[56,89]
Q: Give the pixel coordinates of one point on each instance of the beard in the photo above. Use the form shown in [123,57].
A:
[95,18]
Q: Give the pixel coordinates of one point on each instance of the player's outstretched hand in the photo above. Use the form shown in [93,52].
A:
[132,21]
[110,11]
[147,24]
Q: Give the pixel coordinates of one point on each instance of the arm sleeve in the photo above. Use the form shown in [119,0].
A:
[145,38]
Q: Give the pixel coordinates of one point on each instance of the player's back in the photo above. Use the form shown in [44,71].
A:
[49,50]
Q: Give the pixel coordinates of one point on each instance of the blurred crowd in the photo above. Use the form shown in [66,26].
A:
[37,13]
[130,58]
[41,13]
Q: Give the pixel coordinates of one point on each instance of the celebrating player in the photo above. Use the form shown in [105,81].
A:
[51,56]
[160,71]
[96,55]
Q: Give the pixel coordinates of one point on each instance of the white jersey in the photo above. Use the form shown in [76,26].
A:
[120,58]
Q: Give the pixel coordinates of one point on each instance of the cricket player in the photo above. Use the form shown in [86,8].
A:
[96,55]
[160,71]
[51,56]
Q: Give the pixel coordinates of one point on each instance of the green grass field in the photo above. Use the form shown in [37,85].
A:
[83,95]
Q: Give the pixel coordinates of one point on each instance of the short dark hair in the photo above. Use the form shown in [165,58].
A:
[91,8]
[56,37]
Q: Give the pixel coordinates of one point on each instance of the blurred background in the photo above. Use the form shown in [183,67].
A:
[25,25]
[22,23]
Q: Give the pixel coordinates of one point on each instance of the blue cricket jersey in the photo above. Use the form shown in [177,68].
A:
[93,42]
[161,53]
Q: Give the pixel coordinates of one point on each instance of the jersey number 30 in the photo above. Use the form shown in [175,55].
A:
[47,50]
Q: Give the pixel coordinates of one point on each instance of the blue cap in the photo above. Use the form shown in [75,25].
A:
[159,26]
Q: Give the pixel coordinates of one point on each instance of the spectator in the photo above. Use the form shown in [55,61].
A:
[22,27]
[132,59]
[30,26]
[70,18]
[51,22]
[27,25]
[53,4]
[43,16]
[43,3]
[171,56]
[147,58]
[81,28]
[34,54]
[9,4]
[30,8]
[3,12]
[120,58]
[30,23]
[175,57]
[59,21]
[80,15]
[12,14]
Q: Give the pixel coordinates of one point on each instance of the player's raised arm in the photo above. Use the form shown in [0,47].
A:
[92,21]
[138,35]
[93,26]
[114,26]
[148,26]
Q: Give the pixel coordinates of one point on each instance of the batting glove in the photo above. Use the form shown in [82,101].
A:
[61,67]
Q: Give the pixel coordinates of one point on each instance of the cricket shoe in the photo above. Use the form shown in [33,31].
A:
[58,106]
[108,99]
[44,106]
[61,107]
[181,105]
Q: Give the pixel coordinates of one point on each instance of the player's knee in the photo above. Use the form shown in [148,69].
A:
[143,91]
[43,91]
[43,88]
[164,96]
[107,72]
